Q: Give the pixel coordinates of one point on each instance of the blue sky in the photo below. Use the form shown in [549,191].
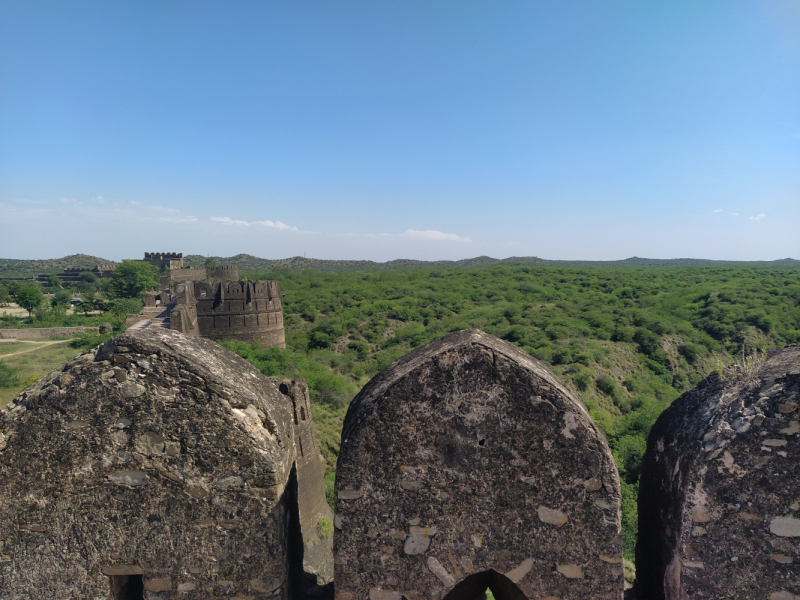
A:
[382,130]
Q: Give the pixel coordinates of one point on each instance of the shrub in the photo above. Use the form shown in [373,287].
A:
[324,528]
[691,352]
[89,340]
[583,379]
[330,482]
[9,376]
[607,385]
[30,381]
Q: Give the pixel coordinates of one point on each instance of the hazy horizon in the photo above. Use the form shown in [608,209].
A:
[361,131]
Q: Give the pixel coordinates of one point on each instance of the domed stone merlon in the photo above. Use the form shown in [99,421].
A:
[467,464]
[160,466]
[719,496]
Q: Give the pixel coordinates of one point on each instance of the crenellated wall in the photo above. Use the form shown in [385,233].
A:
[240,310]
[225,272]
[177,275]
[233,310]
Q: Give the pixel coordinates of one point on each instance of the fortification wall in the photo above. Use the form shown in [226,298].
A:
[183,315]
[187,274]
[44,333]
[240,310]
[170,260]
[226,272]
[165,461]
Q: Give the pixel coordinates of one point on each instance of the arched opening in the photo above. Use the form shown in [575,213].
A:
[474,587]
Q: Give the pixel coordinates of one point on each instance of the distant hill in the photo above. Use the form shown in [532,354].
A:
[10,267]
[246,262]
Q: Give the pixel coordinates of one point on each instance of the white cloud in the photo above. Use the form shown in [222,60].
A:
[186,219]
[718,210]
[277,225]
[735,214]
[229,221]
[758,217]
[429,234]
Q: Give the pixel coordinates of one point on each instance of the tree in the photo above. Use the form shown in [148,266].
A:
[53,281]
[133,278]
[61,297]
[29,297]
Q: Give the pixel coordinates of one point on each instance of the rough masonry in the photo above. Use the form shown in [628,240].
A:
[161,466]
[246,311]
[467,464]
[719,497]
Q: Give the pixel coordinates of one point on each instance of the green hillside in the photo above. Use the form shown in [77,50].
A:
[246,262]
[10,267]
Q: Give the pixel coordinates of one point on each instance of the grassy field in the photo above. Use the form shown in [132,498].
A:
[34,358]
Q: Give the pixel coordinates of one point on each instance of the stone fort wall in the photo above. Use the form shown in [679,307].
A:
[246,311]
[169,260]
[225,272]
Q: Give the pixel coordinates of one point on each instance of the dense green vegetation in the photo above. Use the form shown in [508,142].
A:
[628,340]
[247,262]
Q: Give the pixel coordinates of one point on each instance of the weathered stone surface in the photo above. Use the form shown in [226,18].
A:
[188,477]
[718,500]
[504,460]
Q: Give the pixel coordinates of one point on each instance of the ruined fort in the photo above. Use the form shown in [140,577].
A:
[161,466]
[173,271]
[211,302]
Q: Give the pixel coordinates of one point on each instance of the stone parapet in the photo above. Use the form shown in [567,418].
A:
[719,495]
[467,464]
[164,465]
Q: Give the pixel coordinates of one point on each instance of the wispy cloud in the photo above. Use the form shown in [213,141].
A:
[735,214]
[758,217]
[430,234]
[718,210]
[229,221]
[274,224]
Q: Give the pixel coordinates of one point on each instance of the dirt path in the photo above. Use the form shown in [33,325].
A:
[38,345]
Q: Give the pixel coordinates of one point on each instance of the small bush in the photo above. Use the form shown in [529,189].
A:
[583,379]
[324,528]
[30,381]
[9,376]
[607,385]
[89,340]
[330,481]
[691,352]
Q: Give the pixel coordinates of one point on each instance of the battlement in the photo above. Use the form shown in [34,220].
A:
[163,256]
[247,311]
[223,272]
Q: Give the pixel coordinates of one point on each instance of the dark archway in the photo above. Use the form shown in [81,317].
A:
[127,587]
[474,587]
